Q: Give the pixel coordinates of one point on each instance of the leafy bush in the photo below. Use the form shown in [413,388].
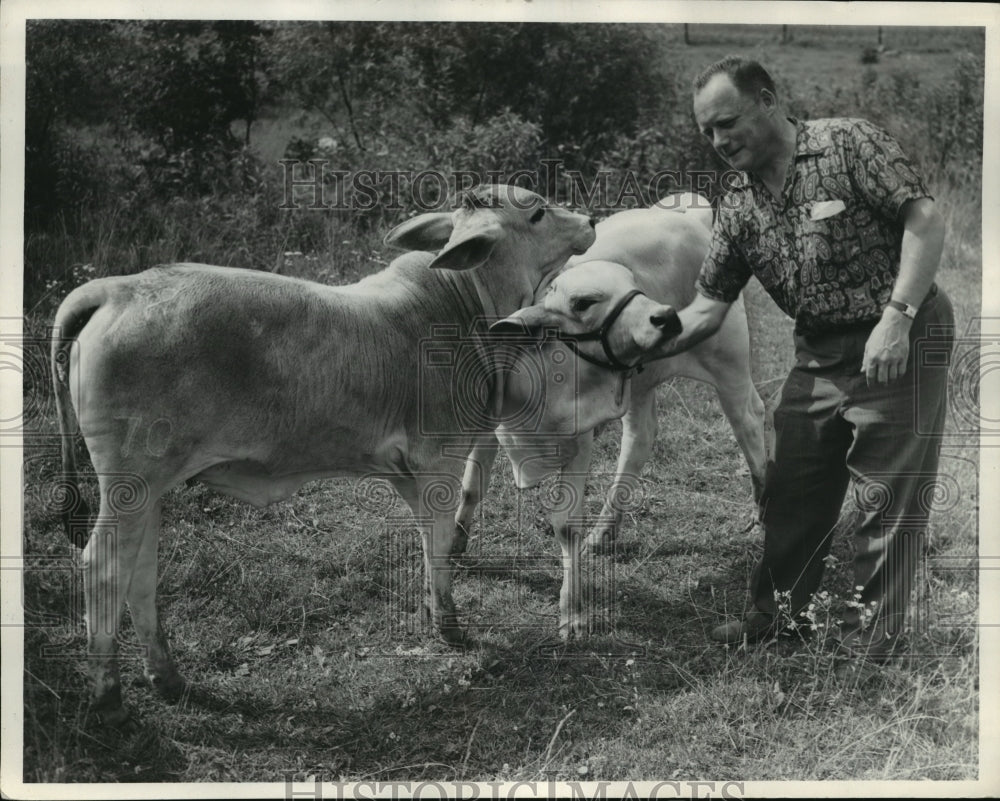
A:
[504,143]
[584,84]
[186,82]
[938,123]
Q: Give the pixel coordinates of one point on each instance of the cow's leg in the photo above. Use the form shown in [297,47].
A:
[161,672]
[475,483]
[433,500]
[724,362]
[108,562]
[566,515]
[745,411]
[639,428]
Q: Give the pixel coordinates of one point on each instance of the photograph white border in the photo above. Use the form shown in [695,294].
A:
[13,14]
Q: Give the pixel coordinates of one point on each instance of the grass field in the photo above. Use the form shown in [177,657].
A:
[284,621]
[296,624]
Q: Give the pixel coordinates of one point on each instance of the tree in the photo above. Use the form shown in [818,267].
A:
[67,83]
[584,85]
[190,81]
[349,72]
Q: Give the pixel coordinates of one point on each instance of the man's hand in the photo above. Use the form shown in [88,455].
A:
[699,320]
[887,348]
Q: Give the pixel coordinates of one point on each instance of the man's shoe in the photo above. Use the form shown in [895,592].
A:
[761,627]
[755,627]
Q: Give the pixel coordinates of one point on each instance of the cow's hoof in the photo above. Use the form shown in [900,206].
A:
[170,688]
[456,637]
[599,543]
[575,630]
[109,715]
[106,708]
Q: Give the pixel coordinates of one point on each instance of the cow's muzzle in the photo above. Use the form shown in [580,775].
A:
[667,321]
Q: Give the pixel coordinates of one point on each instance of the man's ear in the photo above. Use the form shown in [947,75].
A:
[768,99]
[531,320]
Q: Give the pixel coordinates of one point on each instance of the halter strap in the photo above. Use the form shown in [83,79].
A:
[601,334]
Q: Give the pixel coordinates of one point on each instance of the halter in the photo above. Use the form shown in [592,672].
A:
[601,334]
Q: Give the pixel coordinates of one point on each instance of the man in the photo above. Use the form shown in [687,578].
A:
[837,225]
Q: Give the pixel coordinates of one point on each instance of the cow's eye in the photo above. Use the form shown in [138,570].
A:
[539,213]
[582,304]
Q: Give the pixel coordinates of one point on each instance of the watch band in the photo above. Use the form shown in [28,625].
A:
[905,308]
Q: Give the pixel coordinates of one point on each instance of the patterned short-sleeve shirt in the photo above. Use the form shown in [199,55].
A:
[828,250]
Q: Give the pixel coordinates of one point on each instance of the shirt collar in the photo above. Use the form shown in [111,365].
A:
[810,139]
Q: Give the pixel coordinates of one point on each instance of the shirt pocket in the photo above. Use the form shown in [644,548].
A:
[824,209]
[830,239]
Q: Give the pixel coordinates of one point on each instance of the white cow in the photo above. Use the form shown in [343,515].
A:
[660,252]
[557,387]
[254,384]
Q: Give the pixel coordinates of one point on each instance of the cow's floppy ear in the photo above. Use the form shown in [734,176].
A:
[532,320]
[425,232]
[469,251]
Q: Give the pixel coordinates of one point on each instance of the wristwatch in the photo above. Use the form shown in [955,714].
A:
[905,308]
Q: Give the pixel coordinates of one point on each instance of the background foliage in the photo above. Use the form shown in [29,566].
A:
[136,131]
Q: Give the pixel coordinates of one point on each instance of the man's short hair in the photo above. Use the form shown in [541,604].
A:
[747,75]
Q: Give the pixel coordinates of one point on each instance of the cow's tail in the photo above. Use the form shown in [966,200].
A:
[74,313]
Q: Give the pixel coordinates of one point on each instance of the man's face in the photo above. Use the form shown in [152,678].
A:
[740,127]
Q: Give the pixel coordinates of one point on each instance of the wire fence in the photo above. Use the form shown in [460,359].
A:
[900,37]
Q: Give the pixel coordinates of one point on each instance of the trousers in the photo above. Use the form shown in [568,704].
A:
[831,428]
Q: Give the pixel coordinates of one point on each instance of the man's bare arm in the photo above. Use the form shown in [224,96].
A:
[888,346]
